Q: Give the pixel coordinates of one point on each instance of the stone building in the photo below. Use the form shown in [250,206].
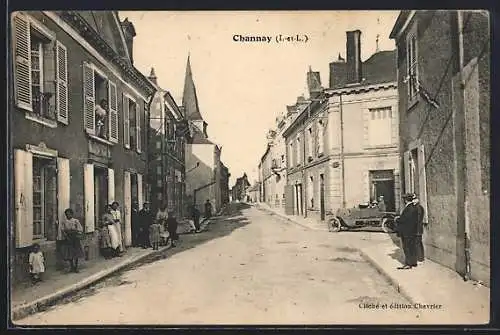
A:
[168,133]
[240,188]
[342,148]
[206,177]
[444,108]
[66,152]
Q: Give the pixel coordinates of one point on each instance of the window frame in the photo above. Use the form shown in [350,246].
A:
[412,66]
[41,191]
[388,116]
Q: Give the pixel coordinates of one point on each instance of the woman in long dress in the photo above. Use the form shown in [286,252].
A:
[73,233]
[108,237]
[117,217]
[161,219]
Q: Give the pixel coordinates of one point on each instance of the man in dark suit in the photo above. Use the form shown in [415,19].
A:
[408,228]
[421,224]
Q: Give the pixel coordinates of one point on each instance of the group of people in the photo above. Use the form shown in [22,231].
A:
[148,230]
[409,227]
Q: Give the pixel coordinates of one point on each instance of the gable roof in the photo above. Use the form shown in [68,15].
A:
[199,138]
[189,97]
[380,68]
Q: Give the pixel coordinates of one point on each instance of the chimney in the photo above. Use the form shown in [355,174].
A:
[152,76]
[129,34]
[354,72]
[313,82]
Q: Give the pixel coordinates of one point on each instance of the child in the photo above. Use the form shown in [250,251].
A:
[73,233]
[154,235]
[37,266]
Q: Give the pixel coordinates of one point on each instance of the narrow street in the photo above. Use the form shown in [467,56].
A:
[248,268]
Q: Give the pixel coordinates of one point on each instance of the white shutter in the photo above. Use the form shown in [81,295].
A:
[126,122]
[89,98]
[61,83]
[88,180]
[366,186]
[111,186]
[422,180]
[63,187]
[113,113]
[126,208]
[140,194]
[406,165]
[23,180]
[138,110]
[22,54]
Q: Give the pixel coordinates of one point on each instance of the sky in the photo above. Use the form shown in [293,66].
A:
[243,86]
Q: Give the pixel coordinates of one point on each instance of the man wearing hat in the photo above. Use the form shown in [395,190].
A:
[420,244]
[408,228]
[145,220]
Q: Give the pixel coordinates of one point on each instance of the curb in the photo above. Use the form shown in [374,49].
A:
[287,218]
[37,305]
[393,281]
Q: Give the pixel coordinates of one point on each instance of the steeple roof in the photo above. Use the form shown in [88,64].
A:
[189,97]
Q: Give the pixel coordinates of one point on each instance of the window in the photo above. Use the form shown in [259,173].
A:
[298,153]
[380,126]
[100,104]
[291,155]
[321,137]
[132,124]
[40,73]
[44,198]
[412,64]
[310,144]
[282,159]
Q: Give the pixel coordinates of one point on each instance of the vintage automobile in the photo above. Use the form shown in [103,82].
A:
[361,217]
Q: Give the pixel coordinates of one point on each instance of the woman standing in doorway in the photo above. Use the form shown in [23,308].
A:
[117,218]
[73,233]
[109,238]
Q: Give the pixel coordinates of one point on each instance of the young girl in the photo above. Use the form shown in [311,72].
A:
[37,263]
[154,235]
[72,248]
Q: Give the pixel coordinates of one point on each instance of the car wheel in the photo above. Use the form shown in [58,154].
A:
[387,225]
[334,225]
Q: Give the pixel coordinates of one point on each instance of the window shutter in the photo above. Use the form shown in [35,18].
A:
[62,83]
[22,54]
[140,194]
[113,113]
[111,186]
[138,113]
[23,180]
[126,207]
[63,187]
[88,180]
[126,122]
[422,181]
[406,164]
[89,98]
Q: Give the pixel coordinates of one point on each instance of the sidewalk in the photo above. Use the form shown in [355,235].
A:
[28,299]
[299,220]
[430,283]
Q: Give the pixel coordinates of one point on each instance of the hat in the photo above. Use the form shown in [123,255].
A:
[409,196]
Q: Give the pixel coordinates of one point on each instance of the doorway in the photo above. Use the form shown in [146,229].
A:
[382,184]
[322,196]
[298,200]
[100,192]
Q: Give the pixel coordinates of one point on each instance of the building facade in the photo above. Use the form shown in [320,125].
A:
[444,107]
[67,153]
[342,148]
[206,176]
[168,133]
[240,188]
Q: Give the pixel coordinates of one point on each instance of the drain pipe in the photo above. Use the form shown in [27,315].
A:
[467,275]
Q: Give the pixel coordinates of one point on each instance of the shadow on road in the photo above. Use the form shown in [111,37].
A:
[398,253]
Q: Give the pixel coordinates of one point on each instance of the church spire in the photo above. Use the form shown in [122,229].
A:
[189,97]
[152,76]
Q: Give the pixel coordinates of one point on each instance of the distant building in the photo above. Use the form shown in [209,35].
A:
[342,148]
[206,178]
[444,108]
[240,188]
[253,192]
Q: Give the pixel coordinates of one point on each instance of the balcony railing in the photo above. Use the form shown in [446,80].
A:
[42,106]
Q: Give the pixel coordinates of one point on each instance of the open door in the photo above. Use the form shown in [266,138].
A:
[322,196]
[289,199]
